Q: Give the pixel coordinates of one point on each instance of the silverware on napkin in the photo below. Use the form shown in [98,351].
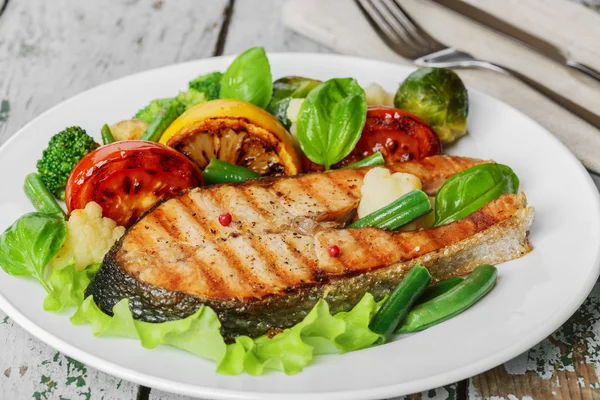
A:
[533,42]
[409,40]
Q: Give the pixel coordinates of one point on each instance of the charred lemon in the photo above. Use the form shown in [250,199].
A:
[237,132]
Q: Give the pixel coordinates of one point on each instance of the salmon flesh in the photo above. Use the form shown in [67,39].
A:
[268,268]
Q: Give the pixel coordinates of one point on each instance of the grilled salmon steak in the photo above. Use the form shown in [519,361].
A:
[270,265]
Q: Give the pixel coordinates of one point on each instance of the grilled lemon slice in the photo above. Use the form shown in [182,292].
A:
[237,132]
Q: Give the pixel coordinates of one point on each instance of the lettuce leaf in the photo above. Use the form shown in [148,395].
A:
[67,287]
[289,351]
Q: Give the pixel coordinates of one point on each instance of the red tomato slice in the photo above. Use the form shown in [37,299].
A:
[127,178]
[397,134]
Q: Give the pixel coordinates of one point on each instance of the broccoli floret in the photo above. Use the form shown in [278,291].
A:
[190,98]
[64,151]
[148,113]
[209,84]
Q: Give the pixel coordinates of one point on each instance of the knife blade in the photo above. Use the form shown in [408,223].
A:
[512,32]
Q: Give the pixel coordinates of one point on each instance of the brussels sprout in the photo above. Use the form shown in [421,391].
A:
[285,89]
[439,97]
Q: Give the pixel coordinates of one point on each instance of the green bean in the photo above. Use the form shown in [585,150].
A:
[371,161]
[400,212]
[40,197]
[161,122]
[218,171]
[453,302]
[440,288]
[107,136]
[396,307]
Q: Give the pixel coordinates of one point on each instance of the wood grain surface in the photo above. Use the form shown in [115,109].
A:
[50,51]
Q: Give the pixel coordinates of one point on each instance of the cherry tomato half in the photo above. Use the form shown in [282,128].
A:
[397,134]
[127,178]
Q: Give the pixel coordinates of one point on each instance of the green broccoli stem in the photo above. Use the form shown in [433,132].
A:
[107,136]
[161,122]
[40,197]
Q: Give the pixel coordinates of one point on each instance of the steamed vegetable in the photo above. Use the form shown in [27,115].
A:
[127,178]
[453,302]
[29,244]
[439,96]
[178,105]
[208,84]
[471,189]
[40,197]
[371,161]
[218,171]
[129,129]
[286,89]
[248,78]
[400,212]
[438,289]
[89,237]
[331,120]
[107,136]
[381,187]
[161,121]
[148,113]
[190,98]
[64,151]
[237,132]
[396,307]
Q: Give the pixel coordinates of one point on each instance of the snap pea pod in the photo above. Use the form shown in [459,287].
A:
[396,307]
[40,197]
[371,161]
[107,136]
[438,289]
[398,213]
[161,122]
[218,171]
[453,302]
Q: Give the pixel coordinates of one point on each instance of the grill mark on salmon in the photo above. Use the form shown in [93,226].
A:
[271,264]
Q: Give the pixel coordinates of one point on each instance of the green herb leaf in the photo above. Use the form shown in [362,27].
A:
[331,120]
[29,244]
[248,78]
[285,89]
[68,286]
[471,189]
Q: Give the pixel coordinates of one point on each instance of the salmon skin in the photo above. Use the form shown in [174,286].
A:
[269,267]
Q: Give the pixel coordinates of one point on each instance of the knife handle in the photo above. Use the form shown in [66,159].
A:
[582,112]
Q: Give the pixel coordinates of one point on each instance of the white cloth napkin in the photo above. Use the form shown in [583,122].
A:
[340,25]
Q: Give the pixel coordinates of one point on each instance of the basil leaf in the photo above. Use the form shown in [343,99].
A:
[248,78]
[29,244]
[331,120]
[471,189]
[285,89]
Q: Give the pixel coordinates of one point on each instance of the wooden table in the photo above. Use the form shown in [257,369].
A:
[50,51]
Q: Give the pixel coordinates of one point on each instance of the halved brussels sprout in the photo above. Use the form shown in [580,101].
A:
[438,96]
[285,89]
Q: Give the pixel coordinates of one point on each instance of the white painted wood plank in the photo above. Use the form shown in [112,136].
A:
[259,23]
[49,51]
[30,369]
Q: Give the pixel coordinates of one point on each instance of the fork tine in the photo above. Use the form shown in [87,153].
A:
[414,28]
[407,24]
[385,13]
[385,31]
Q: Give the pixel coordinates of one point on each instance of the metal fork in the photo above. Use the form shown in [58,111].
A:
[409,40]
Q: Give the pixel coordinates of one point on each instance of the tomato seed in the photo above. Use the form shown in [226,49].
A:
[225,219]
[333,250]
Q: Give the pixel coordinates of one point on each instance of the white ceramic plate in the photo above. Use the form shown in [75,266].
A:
[534,295]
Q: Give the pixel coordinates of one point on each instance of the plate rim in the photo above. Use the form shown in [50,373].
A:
[434,381]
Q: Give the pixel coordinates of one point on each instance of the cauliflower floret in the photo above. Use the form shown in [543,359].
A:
[89,237]
[292,114]
[377,96]
[380,188]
